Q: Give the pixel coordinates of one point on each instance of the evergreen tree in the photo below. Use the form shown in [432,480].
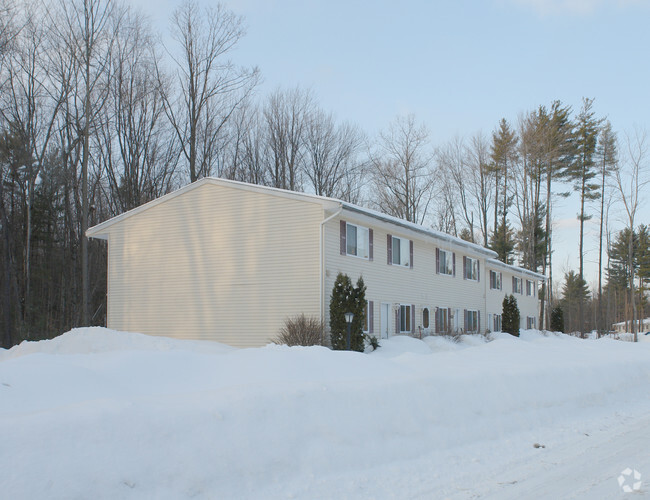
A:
[557,319]
[608,160]
[510,315]
[575,294]
[504,155]
[466,234]
[532,241]
[503,243]
[347,298]
[582,172]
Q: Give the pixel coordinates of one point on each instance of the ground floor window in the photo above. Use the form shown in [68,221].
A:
[471,321]
[531,322]
[404,318]
[442,320]
[496,323]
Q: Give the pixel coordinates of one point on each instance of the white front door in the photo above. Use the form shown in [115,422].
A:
[385,320]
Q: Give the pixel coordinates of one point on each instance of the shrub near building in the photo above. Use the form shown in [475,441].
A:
[510,315]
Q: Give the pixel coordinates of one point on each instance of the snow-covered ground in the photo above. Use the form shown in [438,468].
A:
[103,414]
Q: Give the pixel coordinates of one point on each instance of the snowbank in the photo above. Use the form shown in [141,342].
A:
[103,414]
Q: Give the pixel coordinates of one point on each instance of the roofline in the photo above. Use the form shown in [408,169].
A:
[98,231]
[510,267]
[421,229]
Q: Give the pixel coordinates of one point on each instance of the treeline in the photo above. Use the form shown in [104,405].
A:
[98,116]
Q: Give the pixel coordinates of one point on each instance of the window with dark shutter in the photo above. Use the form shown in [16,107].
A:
[370,245]
[453,258]
[412,318]
[411,254]
[437,261]
[344,232]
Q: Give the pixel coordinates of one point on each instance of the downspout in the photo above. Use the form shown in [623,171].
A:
[322,259]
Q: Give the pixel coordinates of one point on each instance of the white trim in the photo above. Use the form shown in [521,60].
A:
[410,315]
[347,239]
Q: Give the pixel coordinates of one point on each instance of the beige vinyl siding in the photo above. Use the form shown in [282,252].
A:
[528,305]
[218,263]
[393,284]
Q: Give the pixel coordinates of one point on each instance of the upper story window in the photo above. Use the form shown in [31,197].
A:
[495,280]
[530,288]
[400,251]
[357,241]
[445,262]
[516,285]
[471,267]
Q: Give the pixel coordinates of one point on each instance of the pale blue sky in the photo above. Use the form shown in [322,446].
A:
[459,66]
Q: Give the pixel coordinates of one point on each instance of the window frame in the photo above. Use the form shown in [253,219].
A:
[450,268]
[497,322]
[405,318]
[530,288]
[474,314]
[404,244]
[497,282]
[531,323]
[518,289]
[471,268]
[357,228]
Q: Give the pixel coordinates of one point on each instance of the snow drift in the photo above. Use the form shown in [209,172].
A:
[104,414]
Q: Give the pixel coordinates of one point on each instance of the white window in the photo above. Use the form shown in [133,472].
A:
[471,321]
[471,269]
[404,318]
[531,322]
[444,325]
[495,280]
[445,262]
[401,251]
[516,285]
[357,241]
[530,288]
[496,323]
[425,317]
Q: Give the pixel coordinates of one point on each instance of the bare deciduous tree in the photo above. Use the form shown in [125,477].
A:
[631,181]
[402,170]
[209,88]
[331,153]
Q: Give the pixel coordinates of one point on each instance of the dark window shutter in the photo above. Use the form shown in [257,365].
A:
[370,245]
[465,320]
[453,259]
[411,254]
[513,284]
[344,232]
[397,328]
[464,267]
[371,317]
[478,270]
[478,324]
[412,318]
[449,319]
[437,261]
[389,248]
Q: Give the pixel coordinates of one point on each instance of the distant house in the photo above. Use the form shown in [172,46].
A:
[229,261]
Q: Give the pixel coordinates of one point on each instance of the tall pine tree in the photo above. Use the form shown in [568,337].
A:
[582,172]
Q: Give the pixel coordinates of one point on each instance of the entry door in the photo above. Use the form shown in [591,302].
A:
[385,320]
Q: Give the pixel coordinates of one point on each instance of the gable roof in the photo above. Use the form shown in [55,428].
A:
[100,230]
